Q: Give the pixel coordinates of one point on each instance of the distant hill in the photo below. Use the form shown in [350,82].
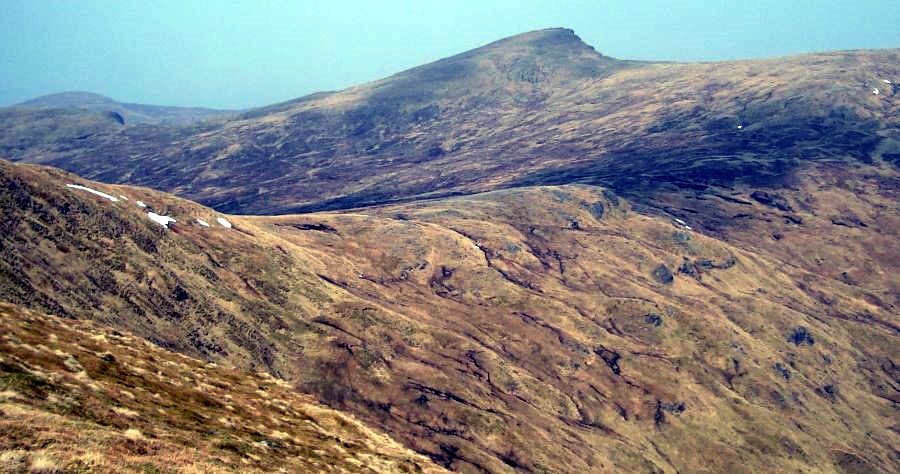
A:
[125,113]
[537,108]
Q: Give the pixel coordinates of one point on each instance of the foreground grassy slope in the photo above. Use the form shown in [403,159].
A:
[80,397]
[544,329]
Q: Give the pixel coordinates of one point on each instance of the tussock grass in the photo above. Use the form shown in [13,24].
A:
[107,417]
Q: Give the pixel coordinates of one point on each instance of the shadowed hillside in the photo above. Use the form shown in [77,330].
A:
[535,109]
[541,329]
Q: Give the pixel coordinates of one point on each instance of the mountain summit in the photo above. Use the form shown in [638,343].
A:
[75,99]
[537,108]
[515,65]
[515,68]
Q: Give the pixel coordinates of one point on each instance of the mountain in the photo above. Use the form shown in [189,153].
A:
[541,108]
[529,257]
[538,329]
[123,112]
[81,397]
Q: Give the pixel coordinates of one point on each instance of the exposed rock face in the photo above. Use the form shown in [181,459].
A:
[800,335]
[771,199]
[597,210]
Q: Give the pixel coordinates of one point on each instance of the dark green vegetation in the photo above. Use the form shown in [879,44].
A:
[622,267]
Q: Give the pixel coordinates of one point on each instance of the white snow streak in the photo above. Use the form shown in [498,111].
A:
[94,191]
[161,220]
[140,203]
[203,222]
[225,224]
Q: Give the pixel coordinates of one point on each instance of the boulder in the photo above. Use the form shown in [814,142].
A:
[663,275]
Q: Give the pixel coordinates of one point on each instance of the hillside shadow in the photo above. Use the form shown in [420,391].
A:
[729,154]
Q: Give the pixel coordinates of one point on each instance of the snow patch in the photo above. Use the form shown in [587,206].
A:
[140,203]
[681,223]
[223,222]
[876,91]
[93,191]
[161,220]
[203,222]
[124,198]
[886,81]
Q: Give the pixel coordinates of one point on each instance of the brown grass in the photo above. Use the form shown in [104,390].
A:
[111,418]
[514,328]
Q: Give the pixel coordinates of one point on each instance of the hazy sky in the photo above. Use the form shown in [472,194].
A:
[236,54]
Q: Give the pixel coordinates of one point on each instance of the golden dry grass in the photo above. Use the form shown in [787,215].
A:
[136,408]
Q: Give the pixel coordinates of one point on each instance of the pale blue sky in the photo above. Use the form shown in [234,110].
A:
[236,54]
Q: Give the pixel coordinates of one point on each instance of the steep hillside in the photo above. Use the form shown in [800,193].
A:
[79,397]
[540,108]
[541,329]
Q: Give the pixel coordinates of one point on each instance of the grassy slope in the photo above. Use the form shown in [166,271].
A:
[546,311]
[76,396]
[521,329]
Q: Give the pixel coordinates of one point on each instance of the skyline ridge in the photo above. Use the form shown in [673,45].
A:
[532,35]
[241,55]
